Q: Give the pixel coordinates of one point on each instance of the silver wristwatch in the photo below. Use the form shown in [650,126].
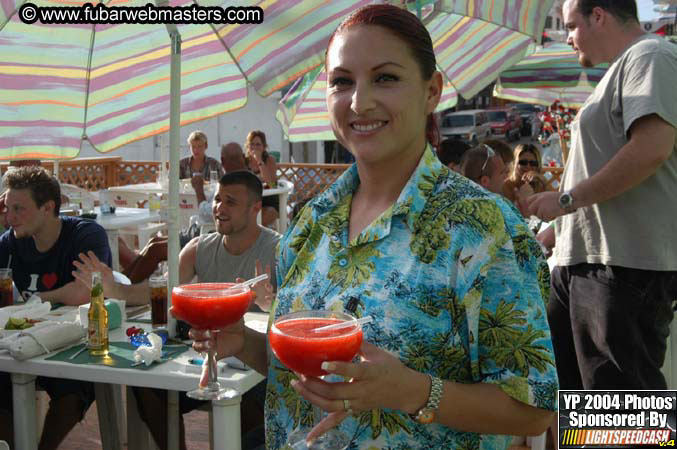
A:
[566,201]
[426,414]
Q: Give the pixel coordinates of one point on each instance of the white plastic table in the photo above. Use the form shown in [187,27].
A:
[170,375]
[283,190]
[123,217]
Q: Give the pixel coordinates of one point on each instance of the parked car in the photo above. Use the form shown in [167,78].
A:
[470,126]
[527,112]
[505,122]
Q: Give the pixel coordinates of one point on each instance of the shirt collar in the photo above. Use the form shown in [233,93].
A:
[336,199]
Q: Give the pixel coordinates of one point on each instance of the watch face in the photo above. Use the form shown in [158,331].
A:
[565,200]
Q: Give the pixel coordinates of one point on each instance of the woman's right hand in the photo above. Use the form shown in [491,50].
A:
[229,341]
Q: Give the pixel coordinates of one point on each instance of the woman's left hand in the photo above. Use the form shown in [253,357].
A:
[380,380]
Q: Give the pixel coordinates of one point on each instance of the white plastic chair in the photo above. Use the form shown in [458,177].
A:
[282,191]
[207,228]
[79,196]
[122,199]
[188,207]
[288,187]
[133,200]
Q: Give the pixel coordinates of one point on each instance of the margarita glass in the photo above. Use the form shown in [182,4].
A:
[298,346]
[210,306]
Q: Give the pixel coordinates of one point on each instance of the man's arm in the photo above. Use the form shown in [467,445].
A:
[268,170]
[187,259]
[135,294]
[651,143]
[72,293]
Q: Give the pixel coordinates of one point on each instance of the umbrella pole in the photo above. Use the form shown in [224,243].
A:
[173,203]
[173,212]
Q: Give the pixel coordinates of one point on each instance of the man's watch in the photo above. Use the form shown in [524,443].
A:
[426,414]
[566,201]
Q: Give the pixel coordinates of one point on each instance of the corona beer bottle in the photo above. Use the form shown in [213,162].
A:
[97,338]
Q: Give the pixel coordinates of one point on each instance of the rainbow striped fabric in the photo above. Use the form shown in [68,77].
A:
[570,97]
[303,110]
[474,40]
[550,73]
[109,84]
[554,65]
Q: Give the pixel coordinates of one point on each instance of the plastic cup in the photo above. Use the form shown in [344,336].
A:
[6,288]
[158,301]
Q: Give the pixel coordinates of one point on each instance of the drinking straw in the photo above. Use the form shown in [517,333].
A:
[346,324]
[9,261]
[250,282]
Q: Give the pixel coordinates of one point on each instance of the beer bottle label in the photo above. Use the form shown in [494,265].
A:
[94,339]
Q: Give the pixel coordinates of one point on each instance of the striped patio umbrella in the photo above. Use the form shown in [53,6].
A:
[548,74]
[114,84]
[569,97]
[110,84]
[474,40]
[303,110]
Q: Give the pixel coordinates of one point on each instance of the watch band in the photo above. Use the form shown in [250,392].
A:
[426,414]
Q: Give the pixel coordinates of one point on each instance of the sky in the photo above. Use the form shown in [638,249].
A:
[645,10]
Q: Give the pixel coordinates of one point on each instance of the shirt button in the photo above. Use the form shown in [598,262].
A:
[343,262]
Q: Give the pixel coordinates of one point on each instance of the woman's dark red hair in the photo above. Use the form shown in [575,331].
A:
[409,29]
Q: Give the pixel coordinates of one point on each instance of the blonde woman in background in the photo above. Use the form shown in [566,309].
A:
[198,164]
[526,177]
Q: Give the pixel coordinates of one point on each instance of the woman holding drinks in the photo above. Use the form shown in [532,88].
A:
[459,352]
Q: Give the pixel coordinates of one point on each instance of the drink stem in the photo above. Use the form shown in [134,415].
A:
[212,368]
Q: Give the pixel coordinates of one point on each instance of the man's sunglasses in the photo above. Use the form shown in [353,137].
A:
[490,154]
[526,162]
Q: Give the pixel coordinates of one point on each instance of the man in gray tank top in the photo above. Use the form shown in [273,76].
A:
[239,244]
[240,248]
[616,277]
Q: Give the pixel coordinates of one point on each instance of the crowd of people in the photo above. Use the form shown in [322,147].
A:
[472,333]
[53,256]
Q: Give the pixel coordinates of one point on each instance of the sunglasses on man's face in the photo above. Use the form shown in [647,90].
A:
[527,162]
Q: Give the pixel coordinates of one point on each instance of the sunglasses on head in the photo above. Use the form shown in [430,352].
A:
[490,154]
[526,162]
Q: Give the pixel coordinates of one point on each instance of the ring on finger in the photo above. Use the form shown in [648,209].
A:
[347,407]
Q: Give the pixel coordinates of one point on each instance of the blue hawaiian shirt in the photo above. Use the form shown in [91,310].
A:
[457,286]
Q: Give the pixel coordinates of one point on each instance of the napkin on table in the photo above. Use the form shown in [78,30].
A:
[148,355]
[42,338]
